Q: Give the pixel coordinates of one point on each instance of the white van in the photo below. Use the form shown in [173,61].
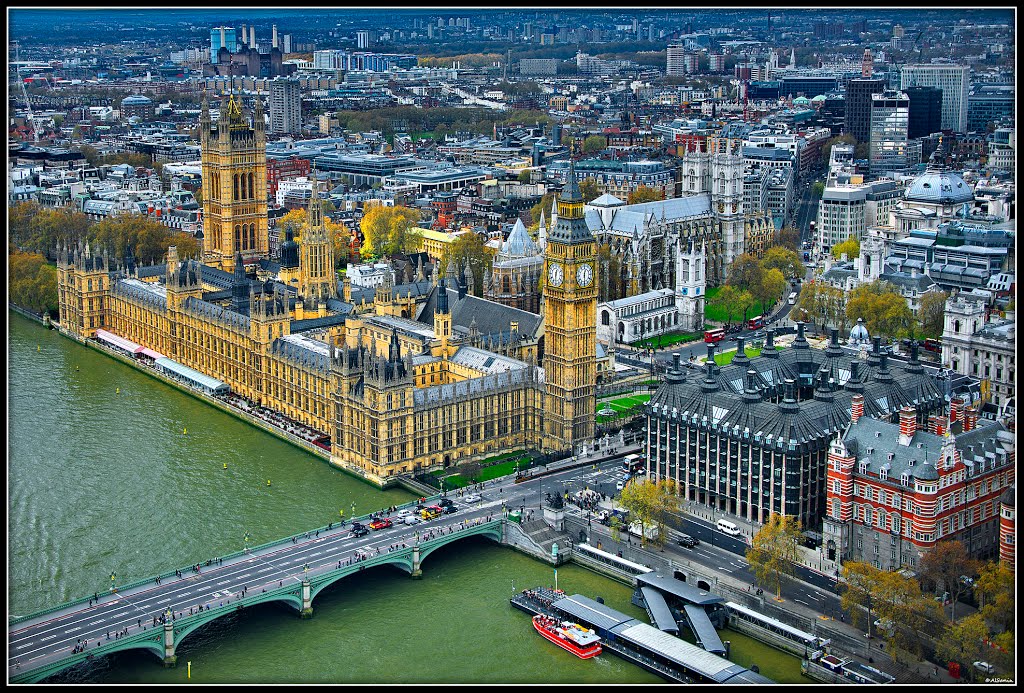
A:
[728,528]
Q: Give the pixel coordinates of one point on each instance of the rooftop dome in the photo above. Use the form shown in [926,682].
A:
[1009,497]
[859,333]
[519,244]
[926,472]
[939,185]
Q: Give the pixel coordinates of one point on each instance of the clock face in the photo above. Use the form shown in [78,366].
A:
[584,275]
[555,274]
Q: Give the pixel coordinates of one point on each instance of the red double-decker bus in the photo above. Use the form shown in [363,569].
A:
[755,323]
[715,335]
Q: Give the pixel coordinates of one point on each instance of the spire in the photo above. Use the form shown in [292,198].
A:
[571,191]
[442,297]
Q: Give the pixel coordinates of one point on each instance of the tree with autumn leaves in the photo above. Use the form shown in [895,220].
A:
[773,551]
[649,503]
[32,282]
[390,231]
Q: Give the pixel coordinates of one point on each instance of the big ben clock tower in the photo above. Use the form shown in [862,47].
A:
[570,324]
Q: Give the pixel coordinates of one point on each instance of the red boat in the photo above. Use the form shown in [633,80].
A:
[569,636]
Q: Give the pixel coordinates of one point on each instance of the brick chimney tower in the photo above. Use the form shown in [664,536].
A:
[858,407]
[956,406]
[970,418]
[908,424]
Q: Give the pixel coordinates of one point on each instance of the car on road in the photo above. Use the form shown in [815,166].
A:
[687,541]
[382,523]
[412,520]
[985,667]
[449,509]
[471,498]
[360,531]
[619,485]
[443,502]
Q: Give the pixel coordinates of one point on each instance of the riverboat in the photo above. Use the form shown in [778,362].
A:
[569,636]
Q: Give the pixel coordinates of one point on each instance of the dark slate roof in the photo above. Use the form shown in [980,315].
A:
[725,400]
[297,326]
[873,441]
[212,310]
[298,353]
[491,318]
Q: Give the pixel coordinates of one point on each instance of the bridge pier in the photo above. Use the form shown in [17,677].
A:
[170,659]
[307,602]
[416,572]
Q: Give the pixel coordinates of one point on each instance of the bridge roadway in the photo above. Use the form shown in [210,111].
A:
[42,644]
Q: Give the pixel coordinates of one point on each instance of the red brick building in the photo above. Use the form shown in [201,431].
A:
[283,169]
[893,491]
[1008,528]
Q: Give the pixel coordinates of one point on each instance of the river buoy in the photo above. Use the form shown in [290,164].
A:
[185,432]
[76,368]
[38,348]
[268,482]
[225,465]
[118,391]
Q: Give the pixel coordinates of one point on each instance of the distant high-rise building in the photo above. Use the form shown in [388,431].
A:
[221,37]
[925,111]
[858,106]
[363,39]
[285,106]
[674,60]
[897,31]
[867,64]
[890,114]
[954,82]
[287,43]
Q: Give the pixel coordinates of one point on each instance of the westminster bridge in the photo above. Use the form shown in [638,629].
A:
[156,614]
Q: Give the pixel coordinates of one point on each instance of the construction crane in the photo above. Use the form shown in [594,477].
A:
[24,94]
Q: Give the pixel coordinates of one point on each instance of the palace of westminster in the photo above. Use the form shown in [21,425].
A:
[426,376]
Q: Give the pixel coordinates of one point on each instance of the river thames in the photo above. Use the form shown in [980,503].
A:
[102,481]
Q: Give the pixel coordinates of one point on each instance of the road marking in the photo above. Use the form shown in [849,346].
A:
[801,601]
[95,623]
[224,582]
[72,630]
[22,647]
[315,553]
[48,637]
[163,601]
[120,614]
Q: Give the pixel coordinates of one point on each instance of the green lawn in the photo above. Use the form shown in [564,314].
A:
[491,468]
[623,406]
[667,340]
[713,313]
[727,357]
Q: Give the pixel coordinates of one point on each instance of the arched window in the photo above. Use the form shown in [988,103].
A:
[956,326]
[252,187]
[237,192]
[252,236]
[605,318]
[238,229]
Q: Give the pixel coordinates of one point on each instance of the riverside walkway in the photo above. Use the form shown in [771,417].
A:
[158,613]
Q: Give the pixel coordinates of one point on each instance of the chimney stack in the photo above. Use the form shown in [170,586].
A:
[274,37]
[858,408]
[908,424]
[970,418]
[955,408]
[937,424]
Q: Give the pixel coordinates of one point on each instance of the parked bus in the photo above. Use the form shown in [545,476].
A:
[792,298]
[715,335]
[755,323]
[933,345]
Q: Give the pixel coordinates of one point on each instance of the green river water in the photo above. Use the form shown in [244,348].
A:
[103,482]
